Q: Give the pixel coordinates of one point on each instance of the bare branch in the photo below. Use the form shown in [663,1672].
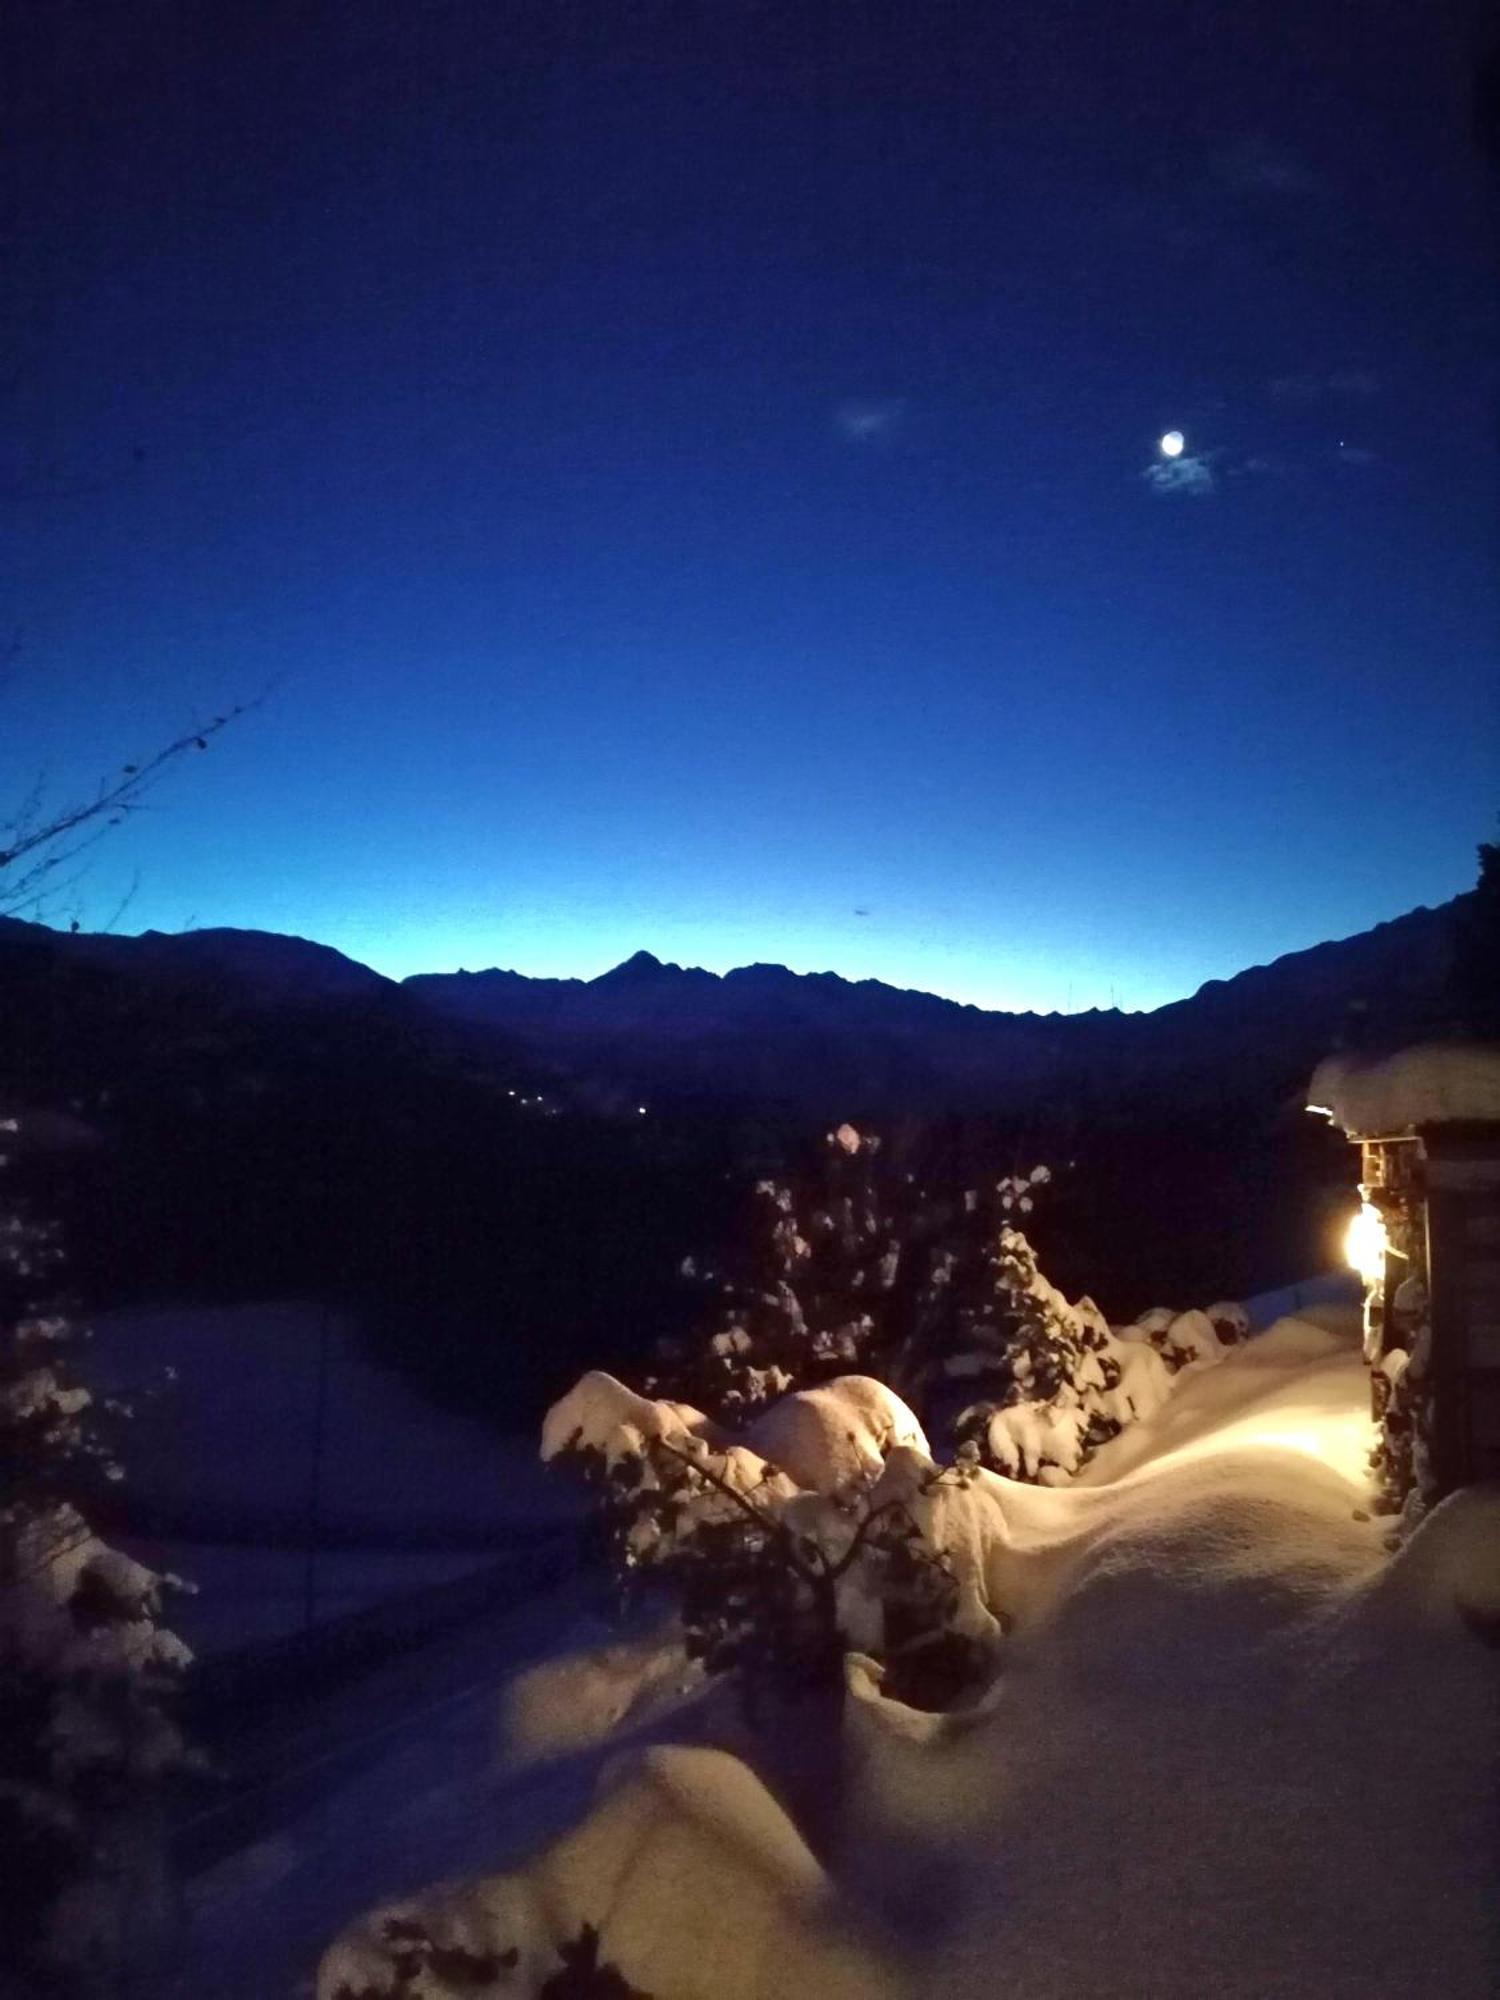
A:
[125,902]
[828,1571]
[45,844]
[862,1532]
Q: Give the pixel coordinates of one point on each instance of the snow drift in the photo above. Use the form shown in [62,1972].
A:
[1236,1746]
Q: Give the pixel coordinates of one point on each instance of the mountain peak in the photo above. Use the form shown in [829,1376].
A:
[641,965]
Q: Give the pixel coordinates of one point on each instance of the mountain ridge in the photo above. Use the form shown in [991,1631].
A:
[642,964]
[652,1027]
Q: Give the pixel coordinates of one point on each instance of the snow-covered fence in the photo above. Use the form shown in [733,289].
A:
[1329,1288]
[236,1701]
[330,1652]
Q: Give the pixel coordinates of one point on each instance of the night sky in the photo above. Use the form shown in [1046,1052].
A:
[691,472]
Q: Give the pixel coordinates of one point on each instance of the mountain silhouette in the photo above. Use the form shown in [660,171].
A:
[764,1031]
[649,1029]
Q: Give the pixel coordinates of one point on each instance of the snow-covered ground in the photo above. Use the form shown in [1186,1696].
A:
[228,1478]
[1237,1747]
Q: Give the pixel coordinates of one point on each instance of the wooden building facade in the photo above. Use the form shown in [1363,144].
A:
[1429,1251]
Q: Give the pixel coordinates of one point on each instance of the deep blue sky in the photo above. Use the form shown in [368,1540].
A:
[694,467]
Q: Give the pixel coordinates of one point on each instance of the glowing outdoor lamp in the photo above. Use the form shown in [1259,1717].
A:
[1366,1244]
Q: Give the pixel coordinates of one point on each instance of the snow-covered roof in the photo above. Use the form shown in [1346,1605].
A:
[1435,1083]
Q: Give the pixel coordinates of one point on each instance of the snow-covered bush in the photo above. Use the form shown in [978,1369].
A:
[762,1563]
[1055,1368]
[798,1299]
[1067,1381]
[87,1740]
[852,1264]
[771,1511]
[1401,1389]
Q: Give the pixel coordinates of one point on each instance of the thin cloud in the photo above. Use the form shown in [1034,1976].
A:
[1350,385]
[870,422]
[1222,209]
[1258,165]
[1189,475]
[1295,389]
[1356,454]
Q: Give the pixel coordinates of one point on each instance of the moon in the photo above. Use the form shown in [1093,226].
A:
[1171,444]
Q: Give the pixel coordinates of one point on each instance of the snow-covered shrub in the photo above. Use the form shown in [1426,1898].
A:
[798,1301]
[1229,1320]
[850,1265]
[760,1561]
[1070,1382]
[1054,1368]
[1401,1392]
[87,1675]
[835,1438]
[773,1518]
[930,1290]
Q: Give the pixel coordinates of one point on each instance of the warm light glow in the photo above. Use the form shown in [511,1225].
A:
[1172,444]
[1366,1244]
[1325,1426]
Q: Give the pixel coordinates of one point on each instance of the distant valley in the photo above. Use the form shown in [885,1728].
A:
[814,1040]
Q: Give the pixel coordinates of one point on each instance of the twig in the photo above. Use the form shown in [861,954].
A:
[767,1522]
[828,1571]
[115,798]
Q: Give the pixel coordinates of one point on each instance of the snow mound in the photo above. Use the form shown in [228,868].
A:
[910,1776]
[564,1704]
[1452,1561]
[1434,1083]
[837,1436]
[1230,1321]
[600,1414]
[695,1881]
[1220,1731]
